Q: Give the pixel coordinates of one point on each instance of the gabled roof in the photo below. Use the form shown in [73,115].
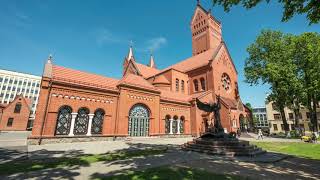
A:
[132,64]
[173,96]
[227,50]
[231,103]
[62,74]
[146,71]
[26,100]
[196,61]
[136,81]
[204,11]
[160,80]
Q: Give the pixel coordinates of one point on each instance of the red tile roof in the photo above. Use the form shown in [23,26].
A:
[146,71]
[160,80]
[196,61]
[172,96]
[230,102]
[76,77]
[137,81]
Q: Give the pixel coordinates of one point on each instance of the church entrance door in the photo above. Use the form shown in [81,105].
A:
[138,121]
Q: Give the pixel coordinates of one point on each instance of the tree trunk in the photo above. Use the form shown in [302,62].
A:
[310,110]
[284,120]
[296,117]
[315,119]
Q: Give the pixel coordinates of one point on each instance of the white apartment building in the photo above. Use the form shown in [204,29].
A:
[14,83]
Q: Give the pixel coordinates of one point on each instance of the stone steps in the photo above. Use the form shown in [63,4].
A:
[223,147]
[227,148]
[224,153]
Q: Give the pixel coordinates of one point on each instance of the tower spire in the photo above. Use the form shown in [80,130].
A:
[130,53]
[152,63]
[49,60]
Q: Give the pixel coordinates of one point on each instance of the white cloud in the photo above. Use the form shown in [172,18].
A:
[155,43]
[106,36]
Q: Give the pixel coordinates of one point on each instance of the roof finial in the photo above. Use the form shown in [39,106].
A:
[130,54]
[198,2]
[49,59]
[152,63]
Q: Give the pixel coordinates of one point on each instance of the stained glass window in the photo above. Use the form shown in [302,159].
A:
[167,124]
[97,122]
[64,120]
[174,126]
[182,119]
[81,122]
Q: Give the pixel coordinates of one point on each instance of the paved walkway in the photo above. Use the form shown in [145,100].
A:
[289,168]
[271,166]
[13,145]
[99,147]
[13,138]
[268,139]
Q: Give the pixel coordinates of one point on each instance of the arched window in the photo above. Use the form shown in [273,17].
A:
[64,120]
[97,121]
[175,125]
[196,86]
[81,122]
[177,85]
[182,85]
[182,119]
[139,120]
[167,124]
[203,84]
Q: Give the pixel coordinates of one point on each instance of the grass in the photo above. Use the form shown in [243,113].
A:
[170,173]
[81,160]
[305,150]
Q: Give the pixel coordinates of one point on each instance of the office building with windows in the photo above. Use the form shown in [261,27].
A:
[275,120]
[260,114]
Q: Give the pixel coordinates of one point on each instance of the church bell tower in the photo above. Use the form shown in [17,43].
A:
[206,31]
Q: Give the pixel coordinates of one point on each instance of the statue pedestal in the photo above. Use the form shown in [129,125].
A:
[222,144]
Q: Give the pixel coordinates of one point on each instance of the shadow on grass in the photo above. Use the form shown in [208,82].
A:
[145,160]
[167,173]
[69,162]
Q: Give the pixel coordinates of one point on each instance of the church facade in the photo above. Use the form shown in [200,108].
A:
[146,101]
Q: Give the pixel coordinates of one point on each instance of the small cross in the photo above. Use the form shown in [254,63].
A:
[131,43]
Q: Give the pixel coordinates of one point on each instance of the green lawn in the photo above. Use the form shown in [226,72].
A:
[81,160]
[170,173]
[306,150]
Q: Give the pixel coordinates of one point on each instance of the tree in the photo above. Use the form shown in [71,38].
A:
[270,62]
[291,7]
[307,58]
[291,66]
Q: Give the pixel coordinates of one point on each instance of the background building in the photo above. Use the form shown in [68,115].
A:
[16,83]
[15,115]
[275,121]
[260,113]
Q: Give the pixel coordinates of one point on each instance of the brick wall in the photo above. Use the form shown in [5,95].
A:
[20,120]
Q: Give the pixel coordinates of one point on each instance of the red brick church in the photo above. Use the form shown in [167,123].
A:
[146,101]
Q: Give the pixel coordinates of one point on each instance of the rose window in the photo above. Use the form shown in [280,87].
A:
[225,80]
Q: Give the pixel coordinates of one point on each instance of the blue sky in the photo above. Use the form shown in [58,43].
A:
[93,36]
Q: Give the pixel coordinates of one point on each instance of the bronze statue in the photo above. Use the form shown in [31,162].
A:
[217,130]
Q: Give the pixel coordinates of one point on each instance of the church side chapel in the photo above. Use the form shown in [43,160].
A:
[146,101]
